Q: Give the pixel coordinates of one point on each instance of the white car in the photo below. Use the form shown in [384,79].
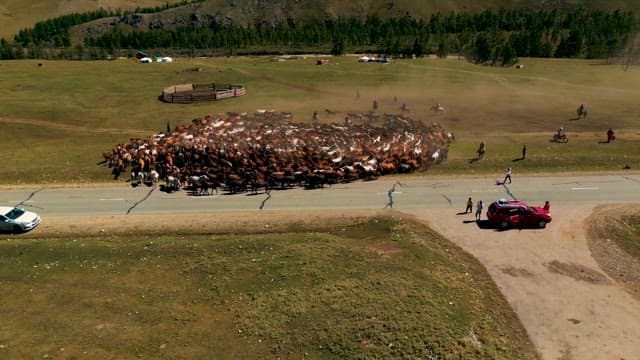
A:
[17,220]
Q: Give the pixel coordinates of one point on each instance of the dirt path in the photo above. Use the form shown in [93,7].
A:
[569,306]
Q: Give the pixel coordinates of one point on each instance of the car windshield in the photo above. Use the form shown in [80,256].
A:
[14,213]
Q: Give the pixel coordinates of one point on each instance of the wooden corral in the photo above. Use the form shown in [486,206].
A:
[191,93]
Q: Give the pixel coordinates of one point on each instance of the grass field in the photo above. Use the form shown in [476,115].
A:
[60,117]
[381,287]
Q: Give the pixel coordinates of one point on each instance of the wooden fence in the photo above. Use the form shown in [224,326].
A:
[191,93]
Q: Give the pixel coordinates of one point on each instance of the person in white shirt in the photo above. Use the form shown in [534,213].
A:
[507,176]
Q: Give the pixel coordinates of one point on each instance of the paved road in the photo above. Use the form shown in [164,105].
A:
[416,193]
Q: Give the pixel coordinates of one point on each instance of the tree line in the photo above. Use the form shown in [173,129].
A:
[496,37]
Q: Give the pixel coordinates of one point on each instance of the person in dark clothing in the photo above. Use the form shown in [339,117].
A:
[479,210]
[469,206]
[524,151]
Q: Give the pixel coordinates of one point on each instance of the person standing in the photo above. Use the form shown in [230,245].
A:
[507,176]
[610,135]
[524,151]
[547,206]
[469,206]
[479,210]
[481,149]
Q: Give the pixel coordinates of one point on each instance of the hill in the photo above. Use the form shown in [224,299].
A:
[16,15]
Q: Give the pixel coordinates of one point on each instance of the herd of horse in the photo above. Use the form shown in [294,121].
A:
[252,153]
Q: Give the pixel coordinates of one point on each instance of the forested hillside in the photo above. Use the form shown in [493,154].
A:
[495,32]
[20,14]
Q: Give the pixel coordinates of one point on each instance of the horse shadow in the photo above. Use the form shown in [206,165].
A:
[472,160]
[167,189]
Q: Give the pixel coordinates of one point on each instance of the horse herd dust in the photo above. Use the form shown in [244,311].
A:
[267,150]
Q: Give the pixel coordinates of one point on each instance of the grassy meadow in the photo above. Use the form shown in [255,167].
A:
[374,288]
[59,117]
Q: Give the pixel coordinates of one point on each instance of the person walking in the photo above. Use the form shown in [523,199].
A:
[524,151]
[479,210]
[507,176]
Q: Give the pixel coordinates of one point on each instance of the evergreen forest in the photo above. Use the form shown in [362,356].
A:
[494,37]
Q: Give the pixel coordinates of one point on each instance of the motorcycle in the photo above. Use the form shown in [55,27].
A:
[560,137]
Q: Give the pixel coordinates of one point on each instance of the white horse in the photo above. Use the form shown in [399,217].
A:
[154,176]
[173,183]
[438,108]
[137,178]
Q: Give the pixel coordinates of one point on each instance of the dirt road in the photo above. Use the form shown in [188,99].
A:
[568,304]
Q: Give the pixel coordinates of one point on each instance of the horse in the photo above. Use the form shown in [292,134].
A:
[153,176]
[437,108]
[137,178]
[173,183]
[200,184]
[258,182]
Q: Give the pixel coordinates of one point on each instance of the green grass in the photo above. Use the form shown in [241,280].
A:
[60,117]
[380,288]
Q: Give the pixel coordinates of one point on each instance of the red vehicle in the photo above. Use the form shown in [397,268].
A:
[514,213]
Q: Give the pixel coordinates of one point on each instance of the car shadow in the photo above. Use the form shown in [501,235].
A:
[488,225]
[12,232]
